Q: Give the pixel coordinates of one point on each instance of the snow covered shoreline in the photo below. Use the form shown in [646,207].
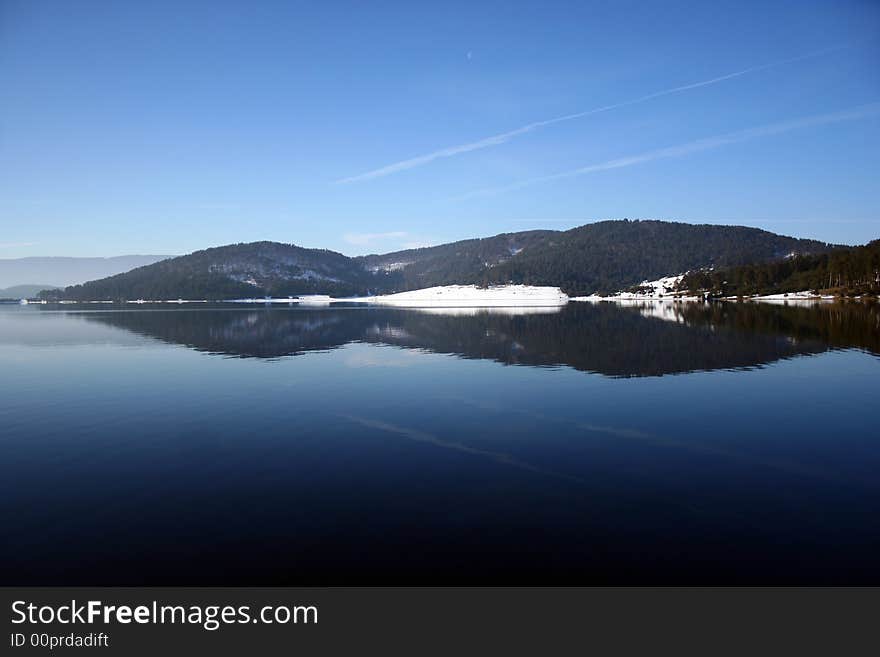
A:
[662,288]
[498,296]
[463,296]
[447,296]
[806,295]
[627,298]
[665,289]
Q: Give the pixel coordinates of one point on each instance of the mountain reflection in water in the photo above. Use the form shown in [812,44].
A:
[636,339]
[194,445]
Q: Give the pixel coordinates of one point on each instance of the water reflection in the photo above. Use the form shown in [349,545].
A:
[128,458]
[639,339]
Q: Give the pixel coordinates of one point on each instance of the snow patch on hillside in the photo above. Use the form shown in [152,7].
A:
[662,288]
[389,267]
[312,275]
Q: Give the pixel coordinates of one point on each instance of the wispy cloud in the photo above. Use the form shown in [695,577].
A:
[504,137]
[708,143]
[16,245]
[400,238]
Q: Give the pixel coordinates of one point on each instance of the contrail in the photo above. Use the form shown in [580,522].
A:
[698,447]
[503,137]
[707,143]
[423,437]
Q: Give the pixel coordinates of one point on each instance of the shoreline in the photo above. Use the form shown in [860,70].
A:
[472,296]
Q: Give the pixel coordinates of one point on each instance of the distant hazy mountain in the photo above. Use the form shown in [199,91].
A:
[23,291]
[60,272]
[601,257]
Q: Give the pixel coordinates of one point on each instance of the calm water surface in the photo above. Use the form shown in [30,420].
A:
[652,443]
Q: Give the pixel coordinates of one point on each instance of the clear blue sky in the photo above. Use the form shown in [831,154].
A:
[164,127]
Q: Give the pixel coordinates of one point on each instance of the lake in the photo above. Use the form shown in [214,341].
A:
[649,443]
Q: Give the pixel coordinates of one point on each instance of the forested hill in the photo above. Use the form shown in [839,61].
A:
[225,272]
[611,255]
[456,262]
[601,257]
[843,272]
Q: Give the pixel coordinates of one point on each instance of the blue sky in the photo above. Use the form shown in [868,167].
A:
[166,127]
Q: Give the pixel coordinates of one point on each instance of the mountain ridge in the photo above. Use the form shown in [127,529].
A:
[599,257]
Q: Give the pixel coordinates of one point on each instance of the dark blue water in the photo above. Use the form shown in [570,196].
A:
[682,444]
